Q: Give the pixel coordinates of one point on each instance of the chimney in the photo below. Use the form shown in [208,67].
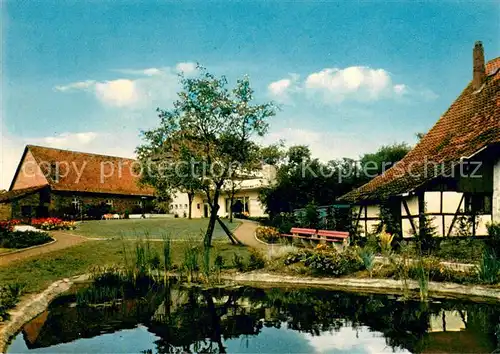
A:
[479,71]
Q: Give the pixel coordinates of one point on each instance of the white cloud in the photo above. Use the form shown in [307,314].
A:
[119,93]
[347,339]
[153,86]
[69,140]
[334,85]
[186,68]
[400,89]
[356,82]
[76,86]
[282,89]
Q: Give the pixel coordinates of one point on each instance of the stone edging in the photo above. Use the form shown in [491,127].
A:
[54,240]
[376,285]
[30,308]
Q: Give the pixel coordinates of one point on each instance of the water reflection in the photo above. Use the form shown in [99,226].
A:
[253,320]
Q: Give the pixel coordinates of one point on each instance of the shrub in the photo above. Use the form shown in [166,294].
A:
[268,234]
[238,262]
[489,267]
[9,296]
[327,261]
[368,258]
[23,239]
[256,260]
[283,222]
[494,241]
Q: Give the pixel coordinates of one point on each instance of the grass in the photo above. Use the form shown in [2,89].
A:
[38,273]
[5,250]
[155,228]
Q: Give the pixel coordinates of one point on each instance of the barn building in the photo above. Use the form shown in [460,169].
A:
[54,182]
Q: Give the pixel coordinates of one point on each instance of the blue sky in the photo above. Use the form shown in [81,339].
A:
[350,76]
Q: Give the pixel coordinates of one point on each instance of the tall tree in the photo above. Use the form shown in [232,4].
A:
[213,127]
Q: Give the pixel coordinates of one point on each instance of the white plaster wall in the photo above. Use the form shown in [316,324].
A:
[181,200]
[372,211]
[451,200]
[432,202]
[412,202]
[496,191]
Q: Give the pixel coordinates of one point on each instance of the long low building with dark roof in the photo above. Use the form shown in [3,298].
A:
[453,172]
[55,182]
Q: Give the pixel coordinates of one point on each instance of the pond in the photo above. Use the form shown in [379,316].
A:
[254,320]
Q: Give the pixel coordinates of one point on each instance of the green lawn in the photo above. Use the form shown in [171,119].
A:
[154,228]
[37,273]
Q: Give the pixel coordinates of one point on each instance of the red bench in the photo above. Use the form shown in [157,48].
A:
[318,235]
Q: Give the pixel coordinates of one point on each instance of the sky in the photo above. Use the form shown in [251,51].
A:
[349,76]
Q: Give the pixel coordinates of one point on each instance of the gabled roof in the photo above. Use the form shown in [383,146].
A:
[18,193]
[84,172]
[470,124]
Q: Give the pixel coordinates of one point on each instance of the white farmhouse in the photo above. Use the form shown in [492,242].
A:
[454,170]
[246,198]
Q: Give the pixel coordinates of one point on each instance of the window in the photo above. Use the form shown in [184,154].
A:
[76,203]
[185,206]
[478,203]
[26,210]
[171,207]
[176,206]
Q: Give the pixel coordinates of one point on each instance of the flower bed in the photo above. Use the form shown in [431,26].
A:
[53,224]
[268,234]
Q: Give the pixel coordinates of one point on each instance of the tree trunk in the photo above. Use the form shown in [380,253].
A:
[228,232]
[190,202]
[231,201]
[214,208]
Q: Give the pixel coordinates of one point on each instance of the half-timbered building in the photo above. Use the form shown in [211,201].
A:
[452,174]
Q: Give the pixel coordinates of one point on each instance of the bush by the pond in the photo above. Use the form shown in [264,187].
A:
[268,234]
[23,239]
[9,296]
[256,260]
[489,267]
[327,261]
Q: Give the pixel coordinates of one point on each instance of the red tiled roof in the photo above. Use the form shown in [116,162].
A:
[84,172]
[471,123]
[12,195]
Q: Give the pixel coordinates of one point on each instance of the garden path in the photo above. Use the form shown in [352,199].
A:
[63,240]
[245,233]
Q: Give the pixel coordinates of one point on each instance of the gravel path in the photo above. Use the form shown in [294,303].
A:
[64,240]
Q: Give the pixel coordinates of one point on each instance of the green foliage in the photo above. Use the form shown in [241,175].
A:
[489,267]
[327,261]
[238,262]
[256,260]
[191,262]
[283,222]
[23,239]
[9,296]
[493,243]
[310,217]
[426,235]
[457,249]
[368,258]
